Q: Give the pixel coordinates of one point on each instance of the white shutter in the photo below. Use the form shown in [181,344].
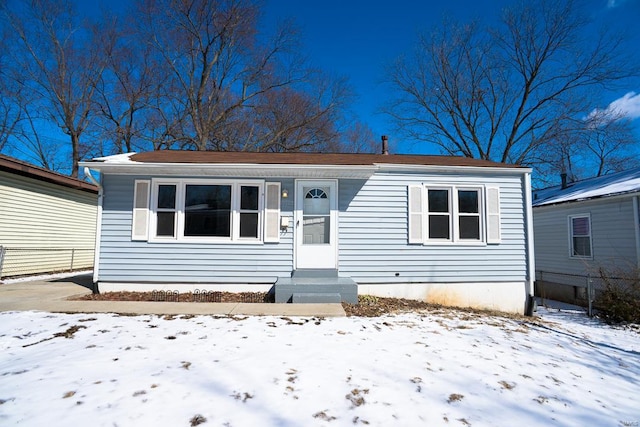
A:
[272,212]
[416,214]
[140,222]
[493,215]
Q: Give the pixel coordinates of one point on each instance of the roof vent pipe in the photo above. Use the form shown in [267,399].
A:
[385,144]
[563,180]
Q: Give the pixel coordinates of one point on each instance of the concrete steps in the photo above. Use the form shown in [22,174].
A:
[316,286]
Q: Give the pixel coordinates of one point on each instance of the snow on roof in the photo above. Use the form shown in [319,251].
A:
[116,158]
[602,186]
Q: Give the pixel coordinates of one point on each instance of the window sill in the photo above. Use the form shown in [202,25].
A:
[206,241]
[448,243]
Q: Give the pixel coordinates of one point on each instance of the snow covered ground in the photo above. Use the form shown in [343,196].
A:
[441,368]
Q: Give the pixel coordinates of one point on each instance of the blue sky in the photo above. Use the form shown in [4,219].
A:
[356,38]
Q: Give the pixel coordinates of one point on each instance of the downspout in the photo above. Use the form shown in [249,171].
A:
[531,270]
[636,226]
[96,250]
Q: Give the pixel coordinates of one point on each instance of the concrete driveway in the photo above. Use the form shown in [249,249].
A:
[52,295]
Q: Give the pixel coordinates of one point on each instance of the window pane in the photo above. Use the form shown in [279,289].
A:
[580,226]
[167,196]
[166,222]
[249,198]
[316,230]
[438,200]
[581,246]
[439,227]
[469,227]
[249,225]
[468,201]
[207,210]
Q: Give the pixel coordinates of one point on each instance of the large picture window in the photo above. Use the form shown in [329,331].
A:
[580,231]
[206,210]
[453,214]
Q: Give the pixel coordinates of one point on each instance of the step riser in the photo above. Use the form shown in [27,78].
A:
[284,292]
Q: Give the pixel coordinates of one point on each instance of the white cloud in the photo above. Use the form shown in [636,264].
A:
[614,3]
[626,107]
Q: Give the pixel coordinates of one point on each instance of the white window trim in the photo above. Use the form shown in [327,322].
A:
[180,199]
[425,209]
[570,227]
[454,216]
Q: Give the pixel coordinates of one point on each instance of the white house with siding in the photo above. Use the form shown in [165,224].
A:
[581,227]
[47,220]
[311,227]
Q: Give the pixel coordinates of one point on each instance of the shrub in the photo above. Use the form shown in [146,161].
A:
[619,301]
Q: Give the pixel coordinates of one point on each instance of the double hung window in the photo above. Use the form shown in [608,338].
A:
[449,214]
[208,210]
[580,235]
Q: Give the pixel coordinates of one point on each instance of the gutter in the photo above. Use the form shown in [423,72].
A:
[531,270]
[96,249]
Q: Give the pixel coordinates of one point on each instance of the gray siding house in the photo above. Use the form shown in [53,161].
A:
[583,227]
[448,230]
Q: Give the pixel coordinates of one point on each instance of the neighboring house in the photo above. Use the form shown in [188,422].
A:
[582,227]
[320,227]
[47,220]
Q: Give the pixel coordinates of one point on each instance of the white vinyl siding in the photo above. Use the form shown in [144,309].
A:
[45,227]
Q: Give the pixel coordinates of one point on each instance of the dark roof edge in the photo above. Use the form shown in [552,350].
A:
[19,167]
[586,199]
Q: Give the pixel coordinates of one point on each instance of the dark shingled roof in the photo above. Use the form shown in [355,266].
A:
[223,157]
[18,167]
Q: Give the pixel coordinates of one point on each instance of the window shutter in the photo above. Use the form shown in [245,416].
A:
[140,222]
[493,215]
[416,215]
[272,212]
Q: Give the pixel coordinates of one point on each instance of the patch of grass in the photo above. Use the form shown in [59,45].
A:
[68,394]
[455,397]
[242,396]
[322,415]
[197,420]
[507,385]
[356,397]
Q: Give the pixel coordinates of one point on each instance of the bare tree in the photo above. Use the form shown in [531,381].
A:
[505,93]
[61,63]
[12,91]
[215,66]
[301,117]
[126,88]
[607,141]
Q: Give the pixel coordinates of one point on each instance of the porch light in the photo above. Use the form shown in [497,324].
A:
[285,193]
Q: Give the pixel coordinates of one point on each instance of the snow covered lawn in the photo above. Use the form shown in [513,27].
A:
[438,368]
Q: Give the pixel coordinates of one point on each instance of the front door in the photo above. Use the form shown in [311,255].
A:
[316,224]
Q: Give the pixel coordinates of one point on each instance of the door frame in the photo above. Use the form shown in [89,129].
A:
[333,217]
